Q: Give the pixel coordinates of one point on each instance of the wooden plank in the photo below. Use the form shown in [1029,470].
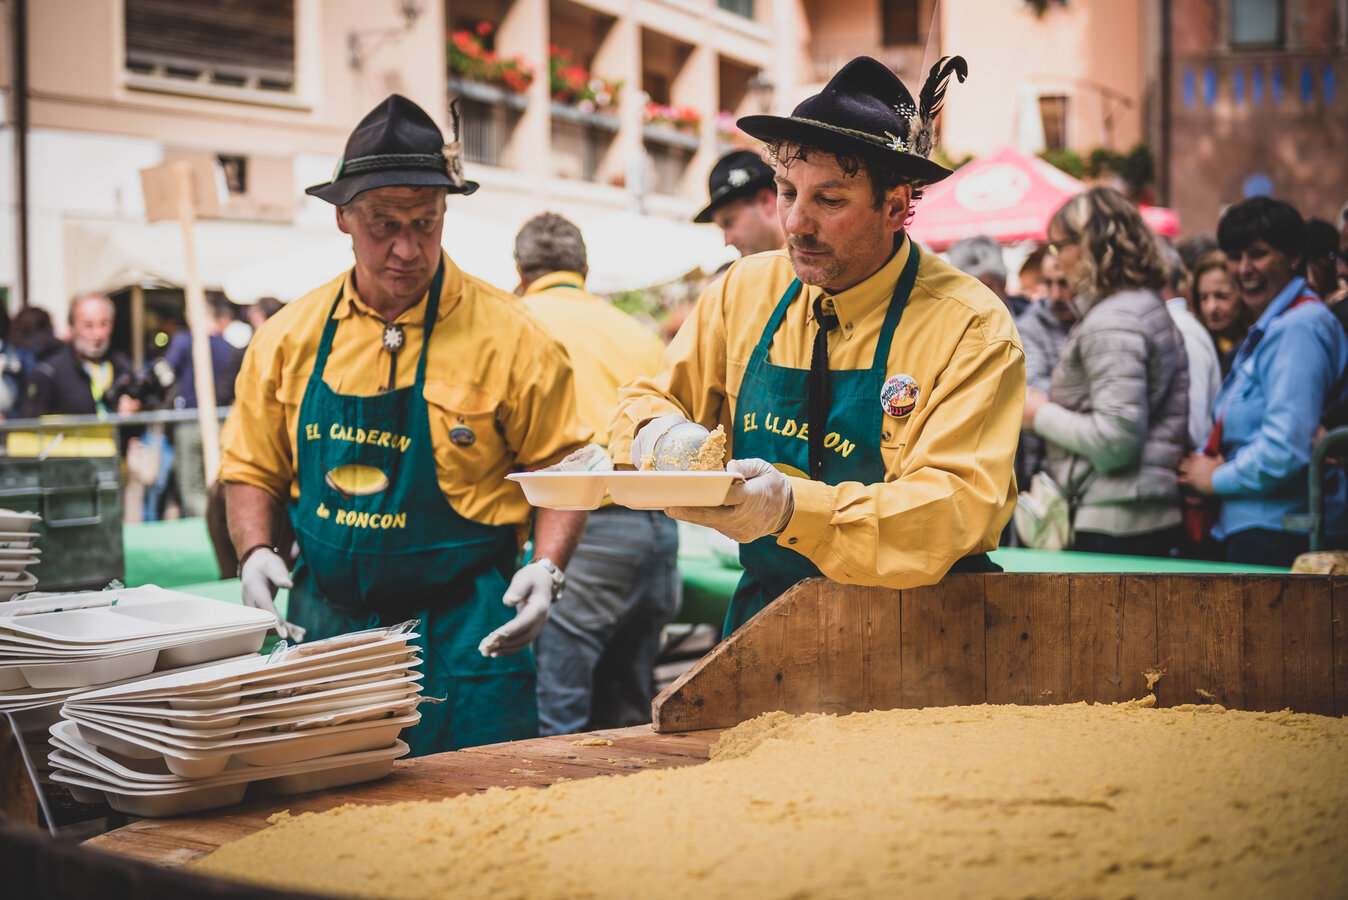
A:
[941,640]
[1288,645]
[1028,637]
[799,663]
[704,696]
[536,763]
[844,679]
[1339,642]
[1199,626]
[1112,621]
[881,638]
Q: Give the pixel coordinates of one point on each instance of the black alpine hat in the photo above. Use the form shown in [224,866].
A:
[737,174]
[396,145]
[865,110]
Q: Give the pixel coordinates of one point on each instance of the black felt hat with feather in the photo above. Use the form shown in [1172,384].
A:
[866,110]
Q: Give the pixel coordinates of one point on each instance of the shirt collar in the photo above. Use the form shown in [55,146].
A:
[556,279]
[450,293]
[854,303]
[1285,298]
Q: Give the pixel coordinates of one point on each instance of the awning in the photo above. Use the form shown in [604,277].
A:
[105,255]
[1008,196]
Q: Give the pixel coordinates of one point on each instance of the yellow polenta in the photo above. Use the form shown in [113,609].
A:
[983,801]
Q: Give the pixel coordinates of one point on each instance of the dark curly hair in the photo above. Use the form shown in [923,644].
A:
[884,177]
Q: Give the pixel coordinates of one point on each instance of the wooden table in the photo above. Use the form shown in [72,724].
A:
[535,763]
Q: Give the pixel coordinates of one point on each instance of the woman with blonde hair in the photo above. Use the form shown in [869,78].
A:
[1115,418]
[1214,297]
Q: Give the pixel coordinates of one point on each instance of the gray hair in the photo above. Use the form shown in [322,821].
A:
[1176,275]
[549,243]
[80,298]
[979,256]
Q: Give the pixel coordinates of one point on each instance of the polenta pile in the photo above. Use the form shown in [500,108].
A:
[982,801]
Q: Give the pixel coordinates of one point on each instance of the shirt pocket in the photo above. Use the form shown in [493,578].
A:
[468,443]
[894,431]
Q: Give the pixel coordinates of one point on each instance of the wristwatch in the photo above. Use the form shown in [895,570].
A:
[557,575]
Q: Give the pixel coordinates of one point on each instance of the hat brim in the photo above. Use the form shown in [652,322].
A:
[343,190]
[770,129]
[748,189]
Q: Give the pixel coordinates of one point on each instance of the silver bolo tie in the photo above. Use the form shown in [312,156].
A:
[393,342]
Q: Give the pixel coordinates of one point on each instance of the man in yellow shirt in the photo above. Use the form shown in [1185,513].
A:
[383,412]
[596,655]
[872,393]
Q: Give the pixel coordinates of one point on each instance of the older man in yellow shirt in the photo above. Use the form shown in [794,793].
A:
[872,393]
[596,655]
[382,412]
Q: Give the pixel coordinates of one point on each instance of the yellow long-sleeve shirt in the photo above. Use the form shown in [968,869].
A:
[491,368]
[948,489]
[608,348]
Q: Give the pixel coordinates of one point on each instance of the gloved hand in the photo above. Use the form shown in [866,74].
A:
[262,574]
[761,505]
[668,436]
[530,592]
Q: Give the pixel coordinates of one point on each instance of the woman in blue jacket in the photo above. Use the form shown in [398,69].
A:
[1287,371]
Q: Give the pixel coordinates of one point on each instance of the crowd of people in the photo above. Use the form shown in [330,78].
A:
[1176,404]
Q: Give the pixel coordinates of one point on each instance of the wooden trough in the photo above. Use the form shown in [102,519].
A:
[1251,642]
[1244,641]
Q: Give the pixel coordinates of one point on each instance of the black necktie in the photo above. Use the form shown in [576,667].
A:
[821,394]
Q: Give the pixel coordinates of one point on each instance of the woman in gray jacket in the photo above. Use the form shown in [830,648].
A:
[1115,418]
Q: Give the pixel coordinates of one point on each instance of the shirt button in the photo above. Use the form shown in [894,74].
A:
[848,326]
[790,540]
[885,435]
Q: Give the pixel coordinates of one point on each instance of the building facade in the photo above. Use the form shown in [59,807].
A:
[266,91]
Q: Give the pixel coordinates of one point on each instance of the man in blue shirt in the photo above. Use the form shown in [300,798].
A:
[1288,370]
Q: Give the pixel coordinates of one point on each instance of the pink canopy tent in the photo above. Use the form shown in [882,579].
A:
[1008,196]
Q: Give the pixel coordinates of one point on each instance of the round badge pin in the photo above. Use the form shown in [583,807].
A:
[462,436]
[899,395]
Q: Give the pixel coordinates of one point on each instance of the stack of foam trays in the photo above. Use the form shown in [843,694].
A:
[307,717]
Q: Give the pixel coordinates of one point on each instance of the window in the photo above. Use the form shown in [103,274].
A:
[228,43]
[1053,114]
[1256,23]
[899,22]
[738,7]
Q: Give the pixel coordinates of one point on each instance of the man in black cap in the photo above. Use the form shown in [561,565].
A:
[383,411]
[743,203]
[872,392]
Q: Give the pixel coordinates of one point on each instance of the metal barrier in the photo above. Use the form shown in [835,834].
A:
[1336,439]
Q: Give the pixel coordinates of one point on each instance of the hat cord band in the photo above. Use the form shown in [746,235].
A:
[384,161]
[850,131]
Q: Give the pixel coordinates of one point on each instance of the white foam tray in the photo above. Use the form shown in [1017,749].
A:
[33,701]
[342,694]
[18,540]
[258,673]
[191,730]
[53,671]
[90,783]
[14,521]
[389,705]
[635,490]
[272,750]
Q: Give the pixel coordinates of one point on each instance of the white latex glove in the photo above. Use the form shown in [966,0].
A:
[263,573]
[760,506]
[530,592]
[671,435]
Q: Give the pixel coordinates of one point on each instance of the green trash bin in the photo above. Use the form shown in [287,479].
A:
[80,502]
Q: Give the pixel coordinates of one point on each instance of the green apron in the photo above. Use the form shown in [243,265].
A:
[771,395]
[379,544]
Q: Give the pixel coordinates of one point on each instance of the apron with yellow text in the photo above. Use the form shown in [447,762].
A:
[770,413]
[380,543]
